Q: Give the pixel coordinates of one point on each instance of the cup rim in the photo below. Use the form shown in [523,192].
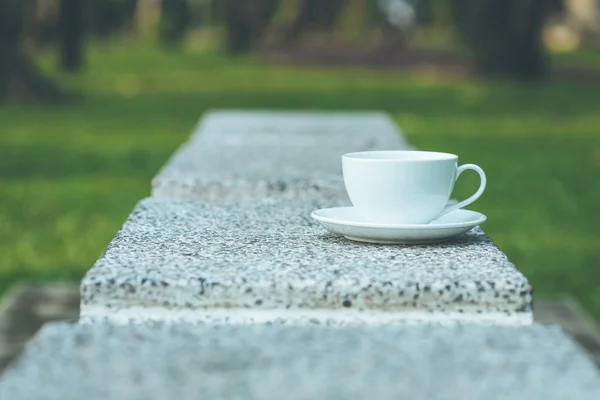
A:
[392,156]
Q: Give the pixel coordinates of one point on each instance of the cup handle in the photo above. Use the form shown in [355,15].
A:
[477,194]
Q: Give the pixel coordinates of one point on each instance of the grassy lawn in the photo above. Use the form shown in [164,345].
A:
[70,174]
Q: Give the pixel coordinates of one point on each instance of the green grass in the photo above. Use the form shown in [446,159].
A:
[587,55]
[70,174]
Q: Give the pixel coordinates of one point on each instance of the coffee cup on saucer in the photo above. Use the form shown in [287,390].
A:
[404,187]
[402,197]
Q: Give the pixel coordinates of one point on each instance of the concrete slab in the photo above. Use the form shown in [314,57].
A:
[266,261]
[568,314]
[68,362]
[25,308]
[268,153]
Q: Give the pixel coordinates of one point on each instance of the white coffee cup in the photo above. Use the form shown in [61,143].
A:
[404,187]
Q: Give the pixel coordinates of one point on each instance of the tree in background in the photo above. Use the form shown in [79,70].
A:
[315,15]
[18,76]
[176,19]
[71,27]
[505,37]
[245,22]
[109,17]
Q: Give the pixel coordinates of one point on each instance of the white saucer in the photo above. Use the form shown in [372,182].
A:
[346,222]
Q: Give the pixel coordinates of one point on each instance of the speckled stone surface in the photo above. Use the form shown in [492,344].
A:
[92,362]
[199,255]
[262,153]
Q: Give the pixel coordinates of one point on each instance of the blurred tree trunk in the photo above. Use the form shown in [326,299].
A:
[246,21]
[505,36]
[71,25]
[315,14]
[108,17]
[175,21]
[18,76]
[424,11]
[238,35]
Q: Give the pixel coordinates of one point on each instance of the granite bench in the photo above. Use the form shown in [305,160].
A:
[420,362]
[227,238]
[248,260]
[266,153]
[222,284]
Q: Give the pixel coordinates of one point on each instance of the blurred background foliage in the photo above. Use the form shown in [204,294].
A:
[95,95]
[500,38]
